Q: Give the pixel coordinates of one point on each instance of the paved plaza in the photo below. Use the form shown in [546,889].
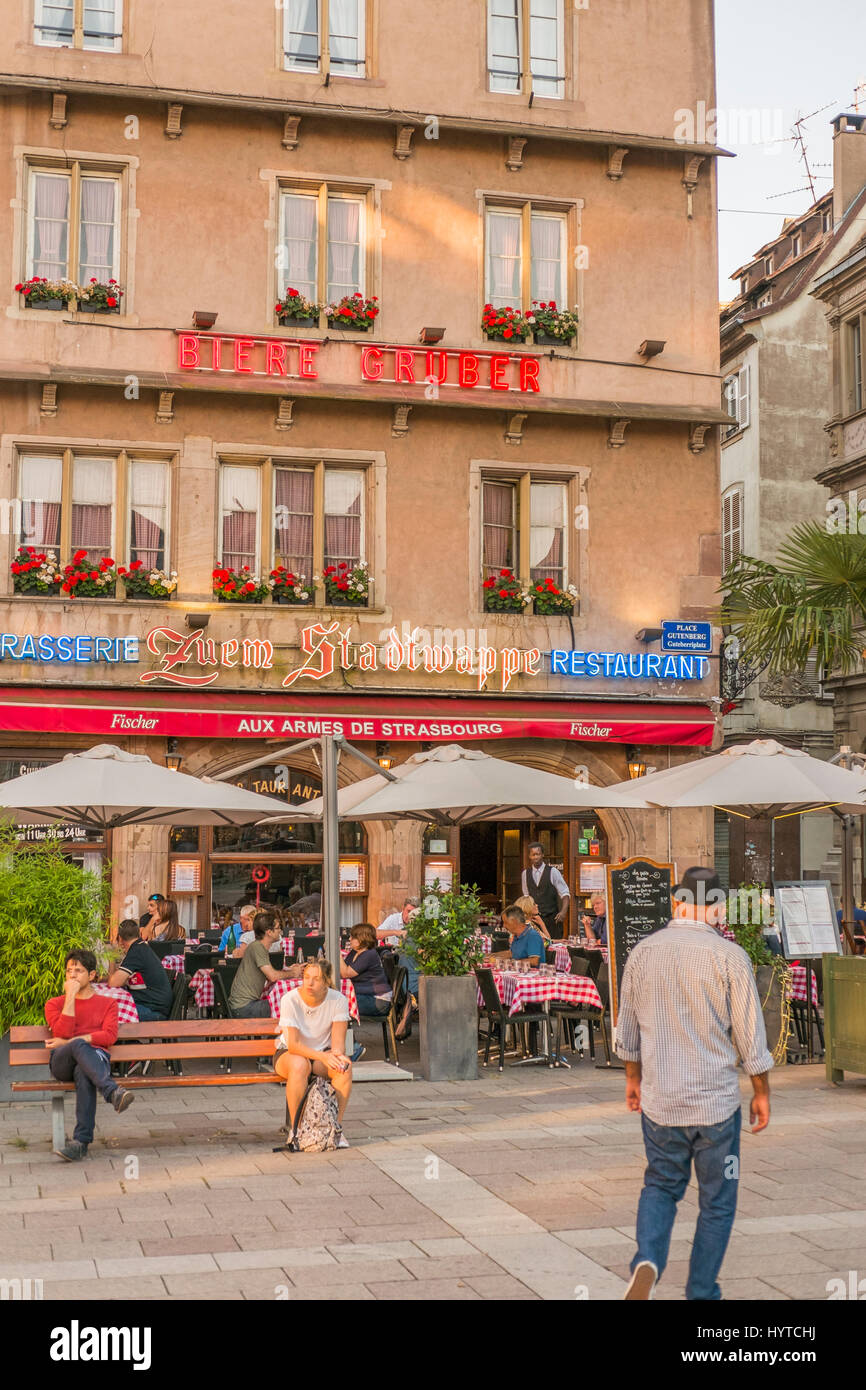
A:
[521,1185]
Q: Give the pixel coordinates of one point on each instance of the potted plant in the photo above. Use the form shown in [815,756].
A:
[557,327]
[100,297]
[39,293]
[354,313]
[548,599]
[238,586]
[503,593]
[347,585]
[287,587]
[506,325]
[85,578]
[294,308]
[444,947]
[142,583]
[35,571]
[48,906]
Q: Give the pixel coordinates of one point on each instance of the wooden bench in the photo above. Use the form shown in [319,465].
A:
[252,1038]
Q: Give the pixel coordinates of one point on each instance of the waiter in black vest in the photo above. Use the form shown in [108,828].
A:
[548,889]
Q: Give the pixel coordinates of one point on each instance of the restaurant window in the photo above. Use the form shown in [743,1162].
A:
[854,363]
[327,36]
[317,516]
[73,221]
[322,247]
[68,502]
[526,250]
[524,530]
[736,400]
[525,47]
[732,525]
[79,24]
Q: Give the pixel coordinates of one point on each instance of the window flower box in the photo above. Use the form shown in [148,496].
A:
[288,588]
[353,313]
[504,325]
[238,586]
[35,571]
[39,293]
[347,586]
[503,593]
[294,309]
[98,297]
[85,578]
[551,326]
[549,601]
[141,583]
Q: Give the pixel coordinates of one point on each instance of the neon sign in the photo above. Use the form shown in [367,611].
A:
[629,665]
[81,650]
[434,370]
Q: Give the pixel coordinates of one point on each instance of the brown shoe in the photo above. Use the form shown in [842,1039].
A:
[642,1282]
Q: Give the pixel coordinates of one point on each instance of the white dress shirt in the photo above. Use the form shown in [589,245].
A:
[558,883]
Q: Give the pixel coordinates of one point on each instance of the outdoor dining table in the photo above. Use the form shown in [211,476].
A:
[798,985]
[126,1010]
[276,992]
[517,990]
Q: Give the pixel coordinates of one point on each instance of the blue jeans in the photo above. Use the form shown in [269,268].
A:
[670,1151]
[147,1015]
[371,1005]
[89,1068]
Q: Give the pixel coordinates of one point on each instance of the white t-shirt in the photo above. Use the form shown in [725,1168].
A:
[313,1024]
[392,923]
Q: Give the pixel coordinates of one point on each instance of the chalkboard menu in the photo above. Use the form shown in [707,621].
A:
[638,903]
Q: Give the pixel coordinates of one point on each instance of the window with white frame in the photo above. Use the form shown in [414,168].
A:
[732,525]
[516,65]
[315,515]
[94,24]
[523,528]
[327,36]
[526,252]
[322,246]
[736,400]
[764,300]
[68,502]
[73,222]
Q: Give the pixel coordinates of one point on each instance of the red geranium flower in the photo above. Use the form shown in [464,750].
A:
[137,565]
[111,302]
[293,294]
[503,593]
[78,557]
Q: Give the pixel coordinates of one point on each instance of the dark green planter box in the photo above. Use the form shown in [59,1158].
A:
[100,309]
[285,602]
[348,327]
[449,1027]
[55,305]
[557,613]
[547,340]
[286,321]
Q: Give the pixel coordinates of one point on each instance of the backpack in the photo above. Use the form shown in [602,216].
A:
[317,1127]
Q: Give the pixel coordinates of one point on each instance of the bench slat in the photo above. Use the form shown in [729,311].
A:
[144,1052]
[180,1028]
[134,1083]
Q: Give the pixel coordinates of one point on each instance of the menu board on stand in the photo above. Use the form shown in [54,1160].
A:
[638,904]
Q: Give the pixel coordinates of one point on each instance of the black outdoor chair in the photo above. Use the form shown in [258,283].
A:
[166,948]
[596,961]
[494,1011]
[194,961]
[569,1014]
[399,992]
[213,938]
[310,945]
[500,941]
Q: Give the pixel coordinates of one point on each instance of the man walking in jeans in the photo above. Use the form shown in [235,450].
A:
[689,1010]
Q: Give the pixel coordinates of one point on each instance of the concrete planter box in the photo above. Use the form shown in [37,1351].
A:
[9,1074]
[449,1027]
[770,993]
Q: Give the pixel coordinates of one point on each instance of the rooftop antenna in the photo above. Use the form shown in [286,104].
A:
[860,93]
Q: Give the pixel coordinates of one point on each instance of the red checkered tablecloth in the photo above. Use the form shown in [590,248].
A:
[172,963]
[201,985]
[798,985]
[485,942]
[126,1010]
[277,991]
[516,991]
[563,959]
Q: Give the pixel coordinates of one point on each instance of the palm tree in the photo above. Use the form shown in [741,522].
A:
[810,603]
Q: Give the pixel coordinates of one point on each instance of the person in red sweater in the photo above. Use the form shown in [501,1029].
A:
[84,1026]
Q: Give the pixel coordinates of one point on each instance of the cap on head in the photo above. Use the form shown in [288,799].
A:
[699,887]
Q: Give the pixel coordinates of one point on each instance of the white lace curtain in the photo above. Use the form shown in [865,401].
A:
[92,506]
[503,259]
[344,516]
[148,511]
[50,226]
[41,481]
[299,249]
[547,532]
[301,34]
[240,507]
[98,215]
[344,248]
[500,530]
[547,240]
[346,41]
[293,520]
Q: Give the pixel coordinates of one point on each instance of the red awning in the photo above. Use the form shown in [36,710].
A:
[397,718]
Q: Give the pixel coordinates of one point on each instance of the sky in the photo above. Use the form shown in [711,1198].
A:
[779,60]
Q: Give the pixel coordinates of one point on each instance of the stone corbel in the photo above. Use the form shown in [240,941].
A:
[48,406]
[514,154]
[400,421]
[834,433]
[615,156]
[691,173]
[173,127]
[697,438]
[291,125]
[165,409]
[514,429]
[58,118]
[616,437]
[285,417]
[403,141]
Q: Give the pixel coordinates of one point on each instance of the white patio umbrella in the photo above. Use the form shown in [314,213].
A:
[761,779]
[452,785]
[105,788]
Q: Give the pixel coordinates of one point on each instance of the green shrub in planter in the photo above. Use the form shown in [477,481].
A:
[443,932]
[48,907]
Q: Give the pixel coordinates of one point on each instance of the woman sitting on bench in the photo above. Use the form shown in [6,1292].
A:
[313,1023]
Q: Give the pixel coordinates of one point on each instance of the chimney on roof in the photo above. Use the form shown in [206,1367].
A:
[849,161]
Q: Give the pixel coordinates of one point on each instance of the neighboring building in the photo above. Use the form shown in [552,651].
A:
[777,369]
[440,158]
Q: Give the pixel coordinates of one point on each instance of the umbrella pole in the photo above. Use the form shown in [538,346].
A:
[331,855]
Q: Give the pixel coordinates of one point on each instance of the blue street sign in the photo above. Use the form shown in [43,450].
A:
[687,637]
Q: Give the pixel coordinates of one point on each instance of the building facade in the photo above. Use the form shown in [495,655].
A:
[437,166]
